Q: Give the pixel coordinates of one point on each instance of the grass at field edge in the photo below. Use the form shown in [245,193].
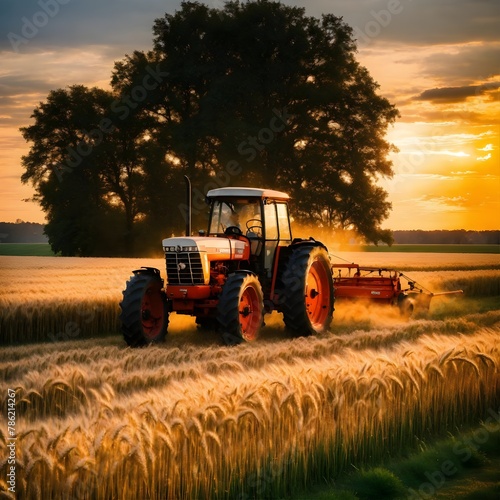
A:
[465,465]
[424,248]
[26,249]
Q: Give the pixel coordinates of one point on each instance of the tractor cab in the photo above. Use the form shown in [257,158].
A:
[258,217]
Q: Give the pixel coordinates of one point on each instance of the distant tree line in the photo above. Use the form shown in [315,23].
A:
[31,232]
[444,237]
[22,232]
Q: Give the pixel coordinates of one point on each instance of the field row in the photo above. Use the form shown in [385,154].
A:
[55,277]
[82,366]
[161,422]
[43,299]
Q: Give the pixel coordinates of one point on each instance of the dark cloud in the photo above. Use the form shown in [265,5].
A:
[19,95]
[457,94]
[21,84]
[418,22]
[128,23]
[30,25]
[466,65]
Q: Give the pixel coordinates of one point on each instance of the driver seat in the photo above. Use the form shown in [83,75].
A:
[255,242]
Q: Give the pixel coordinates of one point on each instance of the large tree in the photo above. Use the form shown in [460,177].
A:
[252,94]
[280,94]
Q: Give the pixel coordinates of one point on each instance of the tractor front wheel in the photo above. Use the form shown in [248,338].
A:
[241,309]
[144,313]
[307,294]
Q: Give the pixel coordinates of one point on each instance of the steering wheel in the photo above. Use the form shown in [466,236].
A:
[255,228]
[233,230]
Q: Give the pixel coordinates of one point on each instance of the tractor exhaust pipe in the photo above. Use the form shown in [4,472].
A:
[188,202]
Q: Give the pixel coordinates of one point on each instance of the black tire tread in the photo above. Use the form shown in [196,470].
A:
[130,316]
[228,307]
[292,303]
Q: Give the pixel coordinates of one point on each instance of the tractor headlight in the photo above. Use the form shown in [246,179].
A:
[178,248]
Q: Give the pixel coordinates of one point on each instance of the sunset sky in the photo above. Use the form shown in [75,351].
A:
[438,61]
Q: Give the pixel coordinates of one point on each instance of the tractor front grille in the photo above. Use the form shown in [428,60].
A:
[184,268]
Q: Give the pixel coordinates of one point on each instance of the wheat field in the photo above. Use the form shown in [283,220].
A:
[191,418]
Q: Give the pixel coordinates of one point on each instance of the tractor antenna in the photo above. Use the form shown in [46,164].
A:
[188,202]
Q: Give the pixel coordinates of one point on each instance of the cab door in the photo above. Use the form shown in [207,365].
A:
[277,231]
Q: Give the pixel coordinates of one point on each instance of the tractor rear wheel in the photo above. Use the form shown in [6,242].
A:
[240,310]
[144,313]
[307,295]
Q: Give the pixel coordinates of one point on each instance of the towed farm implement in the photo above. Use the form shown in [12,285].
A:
[246,265]
[382,286]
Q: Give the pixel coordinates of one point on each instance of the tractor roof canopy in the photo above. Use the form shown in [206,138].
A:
[245,192]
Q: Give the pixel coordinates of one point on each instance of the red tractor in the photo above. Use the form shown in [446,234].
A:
[246,265]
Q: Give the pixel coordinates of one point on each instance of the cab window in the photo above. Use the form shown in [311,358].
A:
[271,222]
[283,222]
[244,214]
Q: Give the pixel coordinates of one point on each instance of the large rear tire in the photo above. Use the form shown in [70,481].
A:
[144,313]
[307,295]
[240,310]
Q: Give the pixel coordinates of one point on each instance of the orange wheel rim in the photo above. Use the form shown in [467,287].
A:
[249,314]
[152,312]
[317,295]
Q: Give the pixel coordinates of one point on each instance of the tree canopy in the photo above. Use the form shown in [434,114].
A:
[252,94]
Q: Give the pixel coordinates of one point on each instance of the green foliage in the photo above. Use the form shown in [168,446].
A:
[414,470]
[455,467]
[330,494]
[377,483]
[448,459]
[31,249]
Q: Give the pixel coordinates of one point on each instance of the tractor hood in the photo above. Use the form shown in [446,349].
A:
[214,248]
